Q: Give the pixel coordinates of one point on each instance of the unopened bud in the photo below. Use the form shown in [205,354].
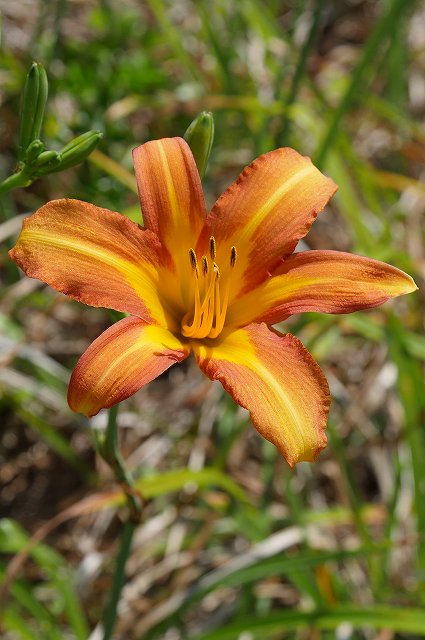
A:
[34,100]
[33,151]
[78,149]
[199,136]
[46,163]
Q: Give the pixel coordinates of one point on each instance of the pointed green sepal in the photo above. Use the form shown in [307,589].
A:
[199,136]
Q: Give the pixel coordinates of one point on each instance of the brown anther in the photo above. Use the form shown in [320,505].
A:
[233,256]
[204,265]
[193,260]
[213,248]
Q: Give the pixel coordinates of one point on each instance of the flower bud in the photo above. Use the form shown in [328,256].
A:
[78,149]
[199,136]
[46,163]
[34,100]
[33,151]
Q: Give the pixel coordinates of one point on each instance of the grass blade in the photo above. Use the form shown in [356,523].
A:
[378,616]
[386,25]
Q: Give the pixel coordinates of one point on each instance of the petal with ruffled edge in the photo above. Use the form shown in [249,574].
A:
[323,281]
[276,379]
[265,212]
[93,255]
[119,362]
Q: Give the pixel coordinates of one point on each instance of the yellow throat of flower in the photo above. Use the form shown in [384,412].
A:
[210,295]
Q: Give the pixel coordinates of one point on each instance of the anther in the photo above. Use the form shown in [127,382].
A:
[204,265]
[193,260]
[213,248]
[216,270]
[233,256]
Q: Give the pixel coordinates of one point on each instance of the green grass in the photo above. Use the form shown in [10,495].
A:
[331,80]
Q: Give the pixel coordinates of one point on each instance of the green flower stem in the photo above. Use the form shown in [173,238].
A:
[110,615]
[16,180]
[109,450]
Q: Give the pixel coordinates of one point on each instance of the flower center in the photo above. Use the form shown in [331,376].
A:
[210,295]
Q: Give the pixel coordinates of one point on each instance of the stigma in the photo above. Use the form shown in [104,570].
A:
[210,294]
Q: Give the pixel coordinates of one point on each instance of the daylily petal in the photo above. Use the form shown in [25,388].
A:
[265,212]
[276,379]
[119,362]
[170,190]
[93,255]
[324,281]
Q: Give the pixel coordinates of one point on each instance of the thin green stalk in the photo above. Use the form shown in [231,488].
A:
[110,615]
[305,581]
[283,134]
[355,503]
[382,577]
[350,485]
[174,38]
[109,450]
[223,54]
[410,388]
[383,27]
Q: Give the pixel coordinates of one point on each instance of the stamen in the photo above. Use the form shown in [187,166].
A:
[220,308]
[213,248]
[206,312]
[189,330]
[210,294]
[233,256]
[193,260]
[204,265]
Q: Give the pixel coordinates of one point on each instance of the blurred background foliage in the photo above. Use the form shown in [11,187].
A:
[234,544]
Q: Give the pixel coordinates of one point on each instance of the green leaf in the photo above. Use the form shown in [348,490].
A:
[378,616]
[14,539]
[155,485]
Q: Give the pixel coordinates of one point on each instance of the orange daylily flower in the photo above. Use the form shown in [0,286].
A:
[212,284]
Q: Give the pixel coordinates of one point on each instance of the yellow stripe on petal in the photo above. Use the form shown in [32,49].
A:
[125,357]
[323,281]
[305,173]
[265,212]
[275,378]
[175,212]
[170,192]
[96,256]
